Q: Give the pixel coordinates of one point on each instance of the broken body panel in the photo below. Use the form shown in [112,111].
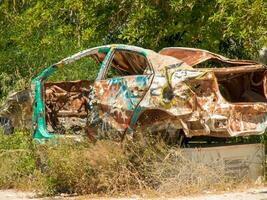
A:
[166,90]
[16,111]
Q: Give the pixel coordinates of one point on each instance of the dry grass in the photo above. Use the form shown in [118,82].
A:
[178,175]
[106,168]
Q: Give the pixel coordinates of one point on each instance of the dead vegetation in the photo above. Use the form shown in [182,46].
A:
[105,168]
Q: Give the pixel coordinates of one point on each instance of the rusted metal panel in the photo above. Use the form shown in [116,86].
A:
[16,112]
[118,98]
[193,56]
[66,105]
[246,161]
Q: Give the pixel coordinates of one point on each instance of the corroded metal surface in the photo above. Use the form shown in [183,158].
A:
[66,105]
[193,90]
[244,162]
[16,111]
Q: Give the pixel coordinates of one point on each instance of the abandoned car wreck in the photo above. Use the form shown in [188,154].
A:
[186,90]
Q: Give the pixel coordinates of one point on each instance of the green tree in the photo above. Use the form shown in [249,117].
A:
[36,33]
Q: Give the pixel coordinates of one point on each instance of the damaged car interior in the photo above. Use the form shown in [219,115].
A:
[66,102]
[239,81]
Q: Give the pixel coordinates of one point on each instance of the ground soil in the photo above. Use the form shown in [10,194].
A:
[249,194]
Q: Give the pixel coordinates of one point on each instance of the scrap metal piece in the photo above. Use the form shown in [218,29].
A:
[16,112]
[244,162]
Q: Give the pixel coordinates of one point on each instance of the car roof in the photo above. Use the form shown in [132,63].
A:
[157,60]
[194,56]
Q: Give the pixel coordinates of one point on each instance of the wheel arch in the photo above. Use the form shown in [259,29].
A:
[150,116]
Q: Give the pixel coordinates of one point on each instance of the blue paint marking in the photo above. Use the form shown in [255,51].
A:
[135,117]
[121,91]
[141,81]
[133,99]
[130,104]
[114,81]
[126,97]
[124,88]
[104,65]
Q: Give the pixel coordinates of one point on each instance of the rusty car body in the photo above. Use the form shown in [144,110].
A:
[193,90]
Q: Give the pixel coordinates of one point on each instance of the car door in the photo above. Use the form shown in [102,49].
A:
[122,86]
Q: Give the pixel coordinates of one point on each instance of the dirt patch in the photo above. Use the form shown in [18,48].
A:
[253,193]
[15,195]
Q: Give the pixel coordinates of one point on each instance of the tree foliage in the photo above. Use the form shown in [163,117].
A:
[36,33]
